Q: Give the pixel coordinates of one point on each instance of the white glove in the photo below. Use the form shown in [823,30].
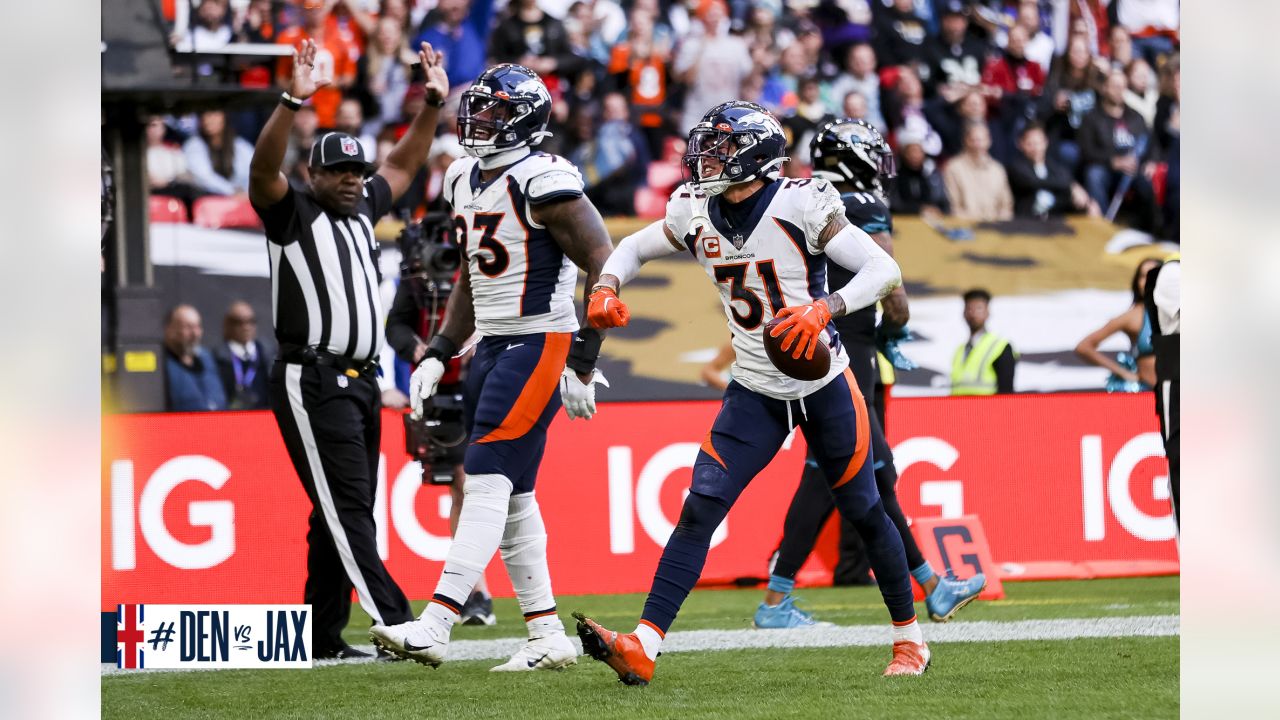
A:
[422,384]
[580,398]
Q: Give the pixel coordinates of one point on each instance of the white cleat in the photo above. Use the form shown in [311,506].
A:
[546,653]
[417,640]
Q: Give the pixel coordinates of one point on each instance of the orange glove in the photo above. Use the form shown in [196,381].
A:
[605,310]
[803,325]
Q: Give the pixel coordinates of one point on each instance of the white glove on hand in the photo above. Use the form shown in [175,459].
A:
[579,397]
[422,384]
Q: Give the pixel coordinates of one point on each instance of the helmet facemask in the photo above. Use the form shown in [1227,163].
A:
[725,149]
[482,113]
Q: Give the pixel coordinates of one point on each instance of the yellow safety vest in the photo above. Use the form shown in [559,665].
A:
[975,374]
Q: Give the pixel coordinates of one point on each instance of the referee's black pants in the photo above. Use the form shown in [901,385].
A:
[331,425]
[1170,410]
[813,504]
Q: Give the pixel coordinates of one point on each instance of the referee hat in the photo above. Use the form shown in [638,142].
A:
[337,148]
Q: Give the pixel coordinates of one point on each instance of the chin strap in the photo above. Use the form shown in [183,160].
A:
[506,157]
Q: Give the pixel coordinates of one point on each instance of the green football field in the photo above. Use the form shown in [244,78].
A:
[1125,675]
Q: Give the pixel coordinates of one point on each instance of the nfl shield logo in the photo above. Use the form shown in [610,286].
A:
[349,146]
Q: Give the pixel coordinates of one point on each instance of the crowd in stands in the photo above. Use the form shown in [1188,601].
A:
[996,108]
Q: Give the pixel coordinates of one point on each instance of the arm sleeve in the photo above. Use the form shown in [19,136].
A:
[378,191]
[401,320]
[876,274]
[822,206]
[1004,366]
[636,249]
[278,219]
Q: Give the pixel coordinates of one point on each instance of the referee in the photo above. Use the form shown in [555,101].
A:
[328,322]
[1163,303]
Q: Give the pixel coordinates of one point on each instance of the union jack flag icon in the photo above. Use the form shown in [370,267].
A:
[129,636]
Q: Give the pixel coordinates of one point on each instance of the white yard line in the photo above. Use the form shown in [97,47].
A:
[840,636]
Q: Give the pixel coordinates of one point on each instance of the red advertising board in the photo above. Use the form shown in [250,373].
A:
[205,508]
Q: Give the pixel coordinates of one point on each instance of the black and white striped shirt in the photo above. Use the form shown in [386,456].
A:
[324,273]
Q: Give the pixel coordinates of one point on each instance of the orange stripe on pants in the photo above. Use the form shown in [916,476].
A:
[863,428]
[710,449]
[537,391]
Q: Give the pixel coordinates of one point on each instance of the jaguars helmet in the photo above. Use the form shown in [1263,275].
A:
[742,138]
[507,107]
[853,152]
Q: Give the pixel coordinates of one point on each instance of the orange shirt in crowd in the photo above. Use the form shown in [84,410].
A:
[335,58]
[647,78]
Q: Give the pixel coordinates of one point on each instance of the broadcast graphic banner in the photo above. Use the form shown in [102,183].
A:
[205,508]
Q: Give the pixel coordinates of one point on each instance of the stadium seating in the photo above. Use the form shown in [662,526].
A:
[216,212]
[651,204]
[166,210]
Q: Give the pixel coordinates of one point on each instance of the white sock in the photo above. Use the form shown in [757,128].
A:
[524,551]
[480,527]
[909,632]
[650,639]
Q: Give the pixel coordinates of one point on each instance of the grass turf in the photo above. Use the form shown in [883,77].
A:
[1105,677]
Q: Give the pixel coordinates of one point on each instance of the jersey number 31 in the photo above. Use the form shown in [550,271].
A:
[736,275]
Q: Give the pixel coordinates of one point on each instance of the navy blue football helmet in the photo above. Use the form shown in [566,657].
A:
[742,139]
[507,107]
[853,152]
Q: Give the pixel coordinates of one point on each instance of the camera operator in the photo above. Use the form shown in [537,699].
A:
[429,267]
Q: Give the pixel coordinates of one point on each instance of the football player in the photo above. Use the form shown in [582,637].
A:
[853,156]
[765,243]
[525,228]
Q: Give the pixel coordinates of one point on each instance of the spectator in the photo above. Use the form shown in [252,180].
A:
[242,360]
[1142,94]
[1120,47]
[711,63]
[211,31]
[1113,142]
[1168,137]
[612,157]
[1042,187]
[972,108]
[976,184]
[903,39]
[528,36]
[918,189]
[843,23]
[191,376]
[254,24]
[855,107]
[763,32]
[166,164]
[957,67]
[860,77]
[217,157]
[460,31]
[809,113]
[638,68]
[335,59]
[301,137]
[382,74]
[1154,25]
[906,111]
[1069,95]
[1011,81]
[350,120]
[986,363]
[1039,47]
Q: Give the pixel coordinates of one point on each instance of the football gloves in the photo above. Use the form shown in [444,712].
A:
[605,310]
[803,326]
[579,397]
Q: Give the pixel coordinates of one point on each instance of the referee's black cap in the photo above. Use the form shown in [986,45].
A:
[337,148]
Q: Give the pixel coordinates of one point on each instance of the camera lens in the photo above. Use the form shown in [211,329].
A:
[446,259]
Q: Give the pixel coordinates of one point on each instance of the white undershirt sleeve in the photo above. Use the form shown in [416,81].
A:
[636,249]
[877,273]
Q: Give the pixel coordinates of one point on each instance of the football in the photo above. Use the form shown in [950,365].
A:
[800,369]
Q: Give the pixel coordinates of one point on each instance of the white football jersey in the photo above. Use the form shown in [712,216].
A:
[770,263]
[521,281]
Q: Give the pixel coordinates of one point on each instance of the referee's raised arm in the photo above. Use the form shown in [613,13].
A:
[408,155]
[267,184]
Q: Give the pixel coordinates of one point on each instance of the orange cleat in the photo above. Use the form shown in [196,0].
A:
[908,659]
[623,653]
